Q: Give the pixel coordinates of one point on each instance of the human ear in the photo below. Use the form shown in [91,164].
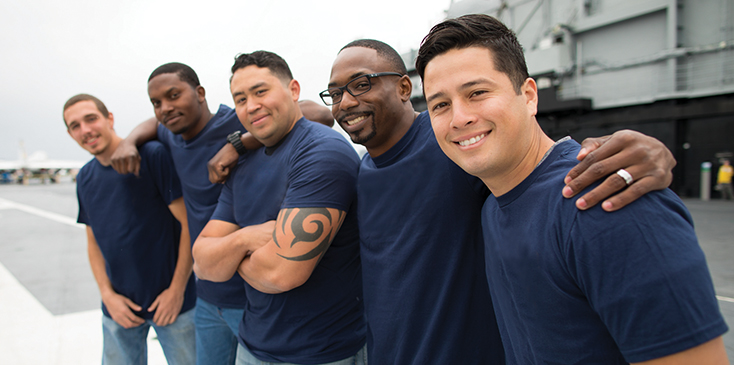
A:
[295,89]
[529,90]
[200,93]
[405,88]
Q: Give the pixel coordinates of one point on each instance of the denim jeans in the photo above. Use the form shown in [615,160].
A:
[216,333]
[129,346]
[244,357]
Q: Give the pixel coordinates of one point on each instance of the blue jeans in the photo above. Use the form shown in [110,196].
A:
[244,357]
[216,333]
[129,346]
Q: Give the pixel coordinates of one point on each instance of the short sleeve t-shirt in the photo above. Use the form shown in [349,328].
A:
[133,226]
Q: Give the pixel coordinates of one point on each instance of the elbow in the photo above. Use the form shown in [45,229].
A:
[281,283]
[208,272]
[203,273]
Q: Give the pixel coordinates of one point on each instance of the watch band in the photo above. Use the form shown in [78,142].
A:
[234,139]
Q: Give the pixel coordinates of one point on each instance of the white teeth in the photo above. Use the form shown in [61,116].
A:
[356,120]
[472,140]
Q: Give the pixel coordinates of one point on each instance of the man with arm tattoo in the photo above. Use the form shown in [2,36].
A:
[302,272]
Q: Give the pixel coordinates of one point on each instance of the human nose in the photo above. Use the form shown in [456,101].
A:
[252,105]
[462,116]
[166,107]
[348,100]
[84,128]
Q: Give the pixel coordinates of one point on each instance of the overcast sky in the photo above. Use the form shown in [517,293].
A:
[52,50]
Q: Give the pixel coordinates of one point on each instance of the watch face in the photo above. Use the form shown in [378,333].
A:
[234,136]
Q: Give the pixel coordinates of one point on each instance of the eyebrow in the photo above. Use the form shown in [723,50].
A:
[463,86]
[352,77]
[84,117]
[258,85]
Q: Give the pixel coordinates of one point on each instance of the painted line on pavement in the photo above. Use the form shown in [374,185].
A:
[7,204]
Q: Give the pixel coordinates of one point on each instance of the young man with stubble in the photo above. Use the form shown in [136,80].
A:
[138,242]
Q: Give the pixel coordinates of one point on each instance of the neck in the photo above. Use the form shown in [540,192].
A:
[535,148]
[105,158]
[295,119]
[404,122]
[206,116]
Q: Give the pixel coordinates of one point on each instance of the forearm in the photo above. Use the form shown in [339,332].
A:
[289,258]
[184,264]
[97,264]
[216,258]
[250,142]
[271,274]
[144,132]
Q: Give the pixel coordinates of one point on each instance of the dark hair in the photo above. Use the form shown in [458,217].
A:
[476,30]
[85,97]
[263,59]
[384,50]
[184,72]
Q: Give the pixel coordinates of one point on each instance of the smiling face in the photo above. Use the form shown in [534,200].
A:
[266,105]
[370,119]
[90,129]
[479,120]
[178,105]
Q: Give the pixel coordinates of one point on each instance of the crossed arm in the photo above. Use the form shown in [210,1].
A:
[272,257]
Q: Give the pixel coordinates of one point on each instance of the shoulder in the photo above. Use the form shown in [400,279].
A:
[311,136]
[86,171]
[153,148]
[156,158]
[225,116]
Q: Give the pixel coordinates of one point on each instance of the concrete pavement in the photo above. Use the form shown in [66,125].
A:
[51,305]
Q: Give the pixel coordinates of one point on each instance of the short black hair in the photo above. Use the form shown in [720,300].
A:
[184,72]
[476,30]
[86,97]
[264,59]
[384,50]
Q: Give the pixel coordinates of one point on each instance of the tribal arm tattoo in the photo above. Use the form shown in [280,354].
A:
[306,227]
[299,241]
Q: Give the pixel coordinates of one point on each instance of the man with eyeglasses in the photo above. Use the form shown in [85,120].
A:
[425,292]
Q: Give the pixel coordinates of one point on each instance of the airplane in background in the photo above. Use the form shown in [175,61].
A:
[37,165]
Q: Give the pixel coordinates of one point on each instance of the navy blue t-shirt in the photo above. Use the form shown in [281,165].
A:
[591,287]
[190,158]
[134,228]
[426,296]
[322,320]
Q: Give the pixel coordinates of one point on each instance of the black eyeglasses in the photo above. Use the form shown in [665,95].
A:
[355,87]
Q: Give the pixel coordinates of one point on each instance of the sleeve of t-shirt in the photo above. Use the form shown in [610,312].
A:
[160,166]
[646,277]
[324,176]
[82,216]
[162,134]
[224,210]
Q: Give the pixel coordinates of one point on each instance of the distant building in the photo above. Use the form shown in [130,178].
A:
[662,67]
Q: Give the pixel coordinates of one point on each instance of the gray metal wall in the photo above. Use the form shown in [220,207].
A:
[663,67]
